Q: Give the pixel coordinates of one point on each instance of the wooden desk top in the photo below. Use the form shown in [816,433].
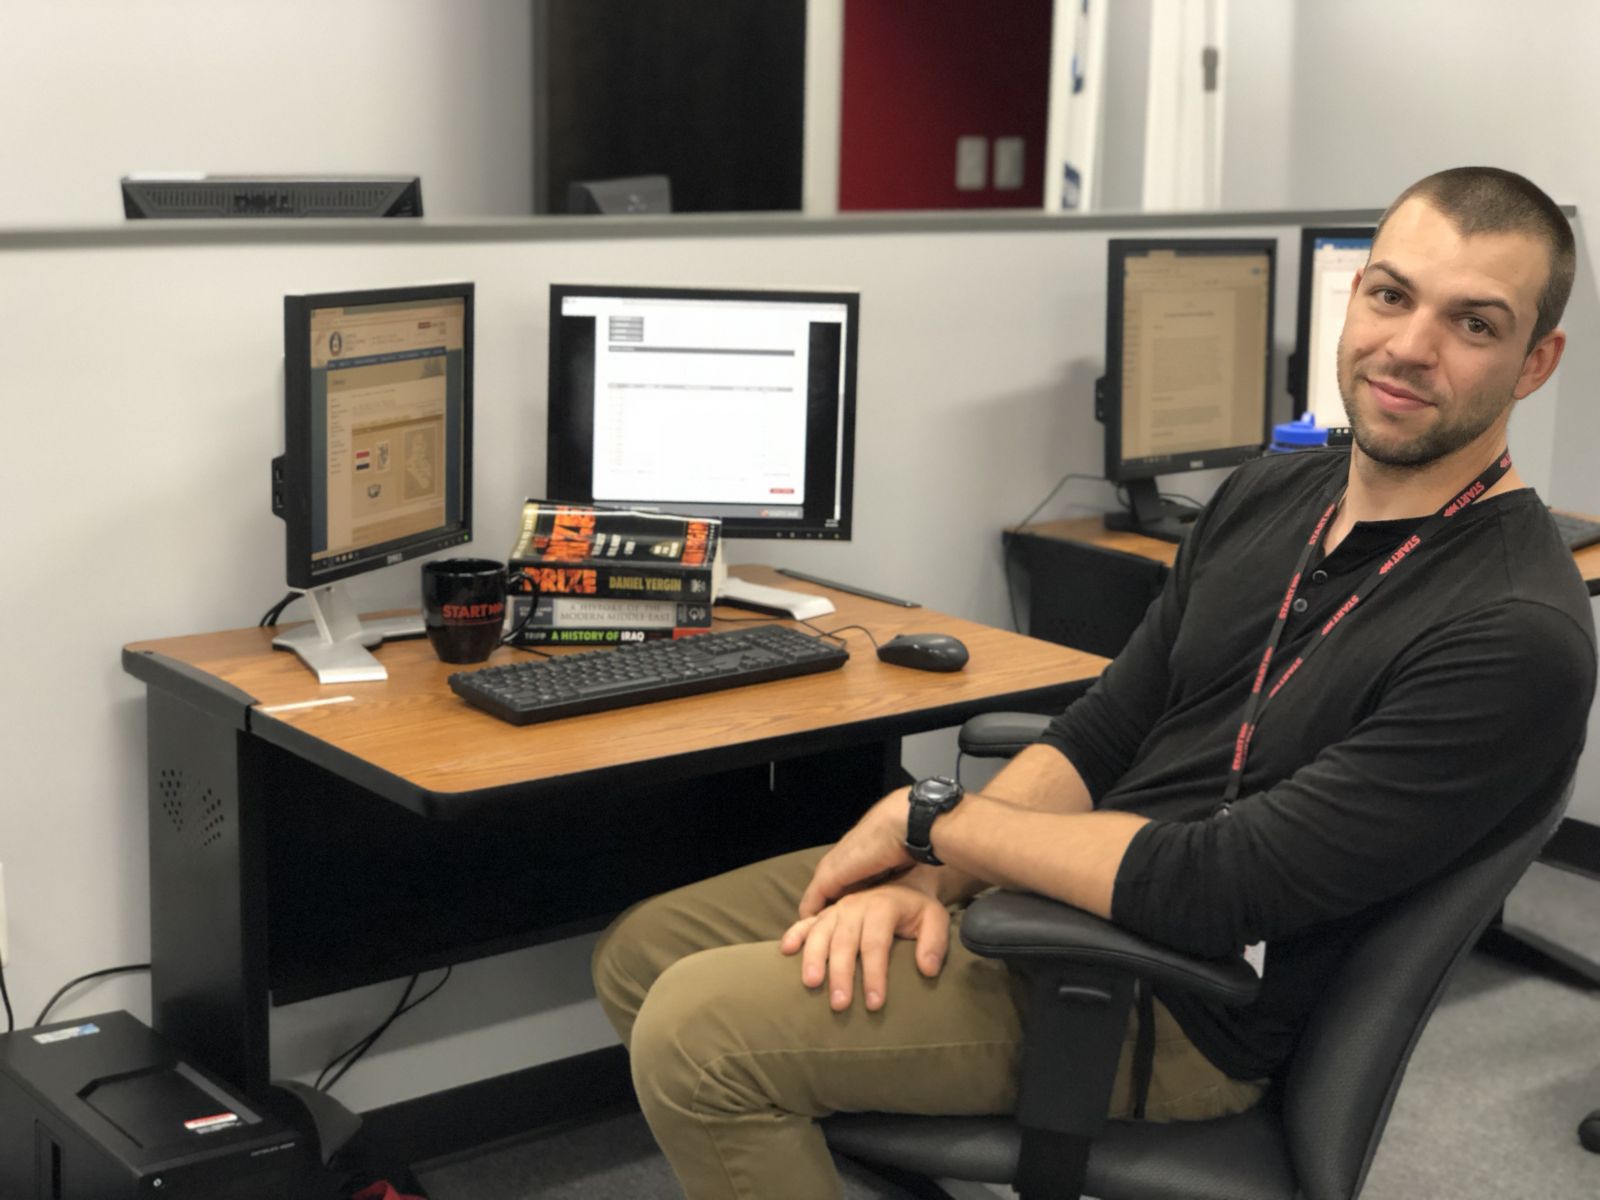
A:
[1588,560]
[411,738]
[1092,531]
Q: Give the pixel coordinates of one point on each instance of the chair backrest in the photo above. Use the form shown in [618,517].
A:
[1340,1085]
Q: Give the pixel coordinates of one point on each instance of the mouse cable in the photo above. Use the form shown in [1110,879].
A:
[525,649]
[270,617]
[11,1020]
[348,1057]
[510,639]
[1060,483]
[67,987]
[833,634]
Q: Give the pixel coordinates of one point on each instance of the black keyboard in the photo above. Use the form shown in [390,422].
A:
[593,680]
[1577,532]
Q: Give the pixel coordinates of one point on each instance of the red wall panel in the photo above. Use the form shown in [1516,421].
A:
[918,74]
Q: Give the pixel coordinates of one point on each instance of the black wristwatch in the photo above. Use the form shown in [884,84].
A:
[929,797]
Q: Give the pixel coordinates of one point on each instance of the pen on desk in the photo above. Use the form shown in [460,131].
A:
[847,587]
[277,708]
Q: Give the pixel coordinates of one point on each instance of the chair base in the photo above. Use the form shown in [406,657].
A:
[1589,1132]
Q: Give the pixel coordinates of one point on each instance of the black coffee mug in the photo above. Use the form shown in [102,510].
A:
[464,607]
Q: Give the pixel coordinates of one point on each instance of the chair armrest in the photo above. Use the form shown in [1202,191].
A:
[1022,927]
[1000,734]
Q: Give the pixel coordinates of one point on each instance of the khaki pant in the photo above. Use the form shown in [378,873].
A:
[734,1058]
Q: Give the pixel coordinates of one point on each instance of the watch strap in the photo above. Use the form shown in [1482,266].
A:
[928,798]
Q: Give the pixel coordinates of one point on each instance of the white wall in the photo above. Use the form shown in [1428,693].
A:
[824,104]
[1354,100]
[94,89]
[1127,94]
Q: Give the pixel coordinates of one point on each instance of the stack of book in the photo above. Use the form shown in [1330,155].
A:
[581,575]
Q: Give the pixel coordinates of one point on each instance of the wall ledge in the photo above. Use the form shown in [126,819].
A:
[693,225]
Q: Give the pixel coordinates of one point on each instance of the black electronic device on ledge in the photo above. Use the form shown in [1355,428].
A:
[635,195]
[188,196]
[1188,382]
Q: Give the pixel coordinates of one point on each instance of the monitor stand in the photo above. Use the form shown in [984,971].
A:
[335,644]
[1151,515]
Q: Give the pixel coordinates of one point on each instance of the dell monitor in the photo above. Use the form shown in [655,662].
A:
[731,404]
[377,467]
[1188,382]
[196,196]
[1329,260]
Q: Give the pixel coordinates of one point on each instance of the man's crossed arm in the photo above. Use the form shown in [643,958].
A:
[1032,828]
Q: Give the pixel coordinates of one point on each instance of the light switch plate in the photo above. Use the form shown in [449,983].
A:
[972,164]
[1008,163]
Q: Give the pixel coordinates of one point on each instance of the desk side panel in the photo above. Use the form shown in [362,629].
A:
[207,906]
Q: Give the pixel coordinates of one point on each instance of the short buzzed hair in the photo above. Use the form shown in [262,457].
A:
[1491,200]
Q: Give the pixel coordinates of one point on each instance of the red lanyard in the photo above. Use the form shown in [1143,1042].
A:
[1260,693]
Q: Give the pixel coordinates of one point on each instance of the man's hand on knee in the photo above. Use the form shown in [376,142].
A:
[864,926]
[874,850]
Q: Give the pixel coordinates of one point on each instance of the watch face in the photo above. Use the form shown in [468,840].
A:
[937,790]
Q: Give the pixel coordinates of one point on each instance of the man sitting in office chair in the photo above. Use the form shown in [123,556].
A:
[1361,671]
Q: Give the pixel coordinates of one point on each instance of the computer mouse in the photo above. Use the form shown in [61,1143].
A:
[924,651]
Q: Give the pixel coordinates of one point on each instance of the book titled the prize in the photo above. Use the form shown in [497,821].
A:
[612,580]
[553,532]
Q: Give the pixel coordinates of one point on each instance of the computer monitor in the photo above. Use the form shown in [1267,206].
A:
[1329,259]
[634,195]
[196,196]
[731,404]
[1188,381]
[377,466]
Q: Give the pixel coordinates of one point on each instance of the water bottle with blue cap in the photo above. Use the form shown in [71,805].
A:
[1303,433]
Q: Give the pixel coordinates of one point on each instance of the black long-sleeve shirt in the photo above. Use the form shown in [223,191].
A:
[1438,712]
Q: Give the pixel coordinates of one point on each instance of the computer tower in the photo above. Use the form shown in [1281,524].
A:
[105,1109]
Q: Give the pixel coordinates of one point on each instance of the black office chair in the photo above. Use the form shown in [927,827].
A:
[1312,1138]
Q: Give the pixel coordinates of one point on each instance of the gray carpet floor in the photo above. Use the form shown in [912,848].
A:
[1489,1108]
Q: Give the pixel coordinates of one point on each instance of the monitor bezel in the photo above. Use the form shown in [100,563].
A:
[1110,401]
[558,440]
[292,472]
[1299,366]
